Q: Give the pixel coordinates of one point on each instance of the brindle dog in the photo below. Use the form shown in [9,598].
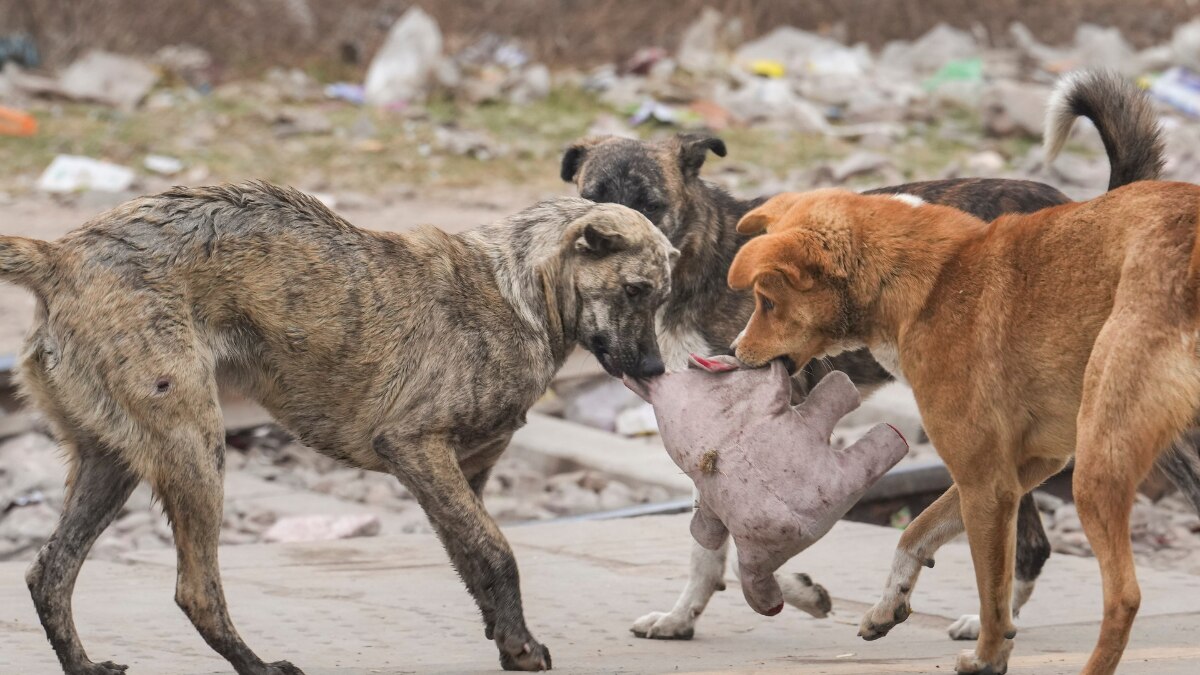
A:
[662,180]
[414,354]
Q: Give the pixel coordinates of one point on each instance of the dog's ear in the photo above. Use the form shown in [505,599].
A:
[792,255]
[573,158]
[693,150]
[767,214]
[598,234]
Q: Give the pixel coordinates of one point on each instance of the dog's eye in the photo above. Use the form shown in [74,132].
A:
[633,290]
[767,305]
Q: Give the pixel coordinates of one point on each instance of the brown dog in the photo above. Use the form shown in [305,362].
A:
[1070,331]
[416,354]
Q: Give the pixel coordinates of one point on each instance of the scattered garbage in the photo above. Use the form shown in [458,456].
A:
[768,68]
[108,78]
[653,110]
[467,143]
[1014,108]
[16,123]
[322,528]
[637,421]
[189,63]
[1105,47]
[20,49]
[295,121]
[162,165]
[698,51]
[957,71]
[792,50]
[644,59]
[1185,45]
[346,91]
[1179,87]
[931,51]
[73,173]
[406,64]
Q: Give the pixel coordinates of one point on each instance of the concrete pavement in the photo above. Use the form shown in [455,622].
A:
[393,605]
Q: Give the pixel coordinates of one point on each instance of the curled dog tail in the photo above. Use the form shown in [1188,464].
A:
[1123,116]
[25,261]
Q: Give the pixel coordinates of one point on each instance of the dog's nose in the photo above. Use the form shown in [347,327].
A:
[651,366]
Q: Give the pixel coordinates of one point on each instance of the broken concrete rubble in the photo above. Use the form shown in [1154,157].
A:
[406,64]
[104,77]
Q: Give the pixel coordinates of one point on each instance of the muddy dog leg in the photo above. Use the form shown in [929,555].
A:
[98,488]
[1033,549]
[429,469]
[191,489]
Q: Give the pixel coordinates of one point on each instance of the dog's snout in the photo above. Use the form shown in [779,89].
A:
[651,365]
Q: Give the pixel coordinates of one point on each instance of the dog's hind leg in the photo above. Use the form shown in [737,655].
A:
[1033,549]
[1138,394]
[98,488]
[429,468]
[189,481]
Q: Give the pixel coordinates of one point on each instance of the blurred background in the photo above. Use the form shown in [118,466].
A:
[456,114]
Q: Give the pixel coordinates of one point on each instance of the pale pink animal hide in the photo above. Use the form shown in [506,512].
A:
[765,470]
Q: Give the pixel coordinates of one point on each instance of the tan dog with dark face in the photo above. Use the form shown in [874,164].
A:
[1070,331]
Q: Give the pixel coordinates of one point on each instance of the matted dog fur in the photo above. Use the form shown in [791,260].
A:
[415,354]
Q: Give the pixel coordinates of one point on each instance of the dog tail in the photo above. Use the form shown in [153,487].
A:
[25,261]
[1122,114]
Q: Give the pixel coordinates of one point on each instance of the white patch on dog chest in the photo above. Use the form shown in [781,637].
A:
[888,356]
[676,345]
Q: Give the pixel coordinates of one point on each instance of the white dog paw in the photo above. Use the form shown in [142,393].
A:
[966,628]
[664,626]
[800,592]
[970,664]
[884,616]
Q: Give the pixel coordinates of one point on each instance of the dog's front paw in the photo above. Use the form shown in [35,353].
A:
[527,654]
[105,668]
[970,664]
[800,592]
[664,626]
[966,628]
[883,617]
[282,668]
